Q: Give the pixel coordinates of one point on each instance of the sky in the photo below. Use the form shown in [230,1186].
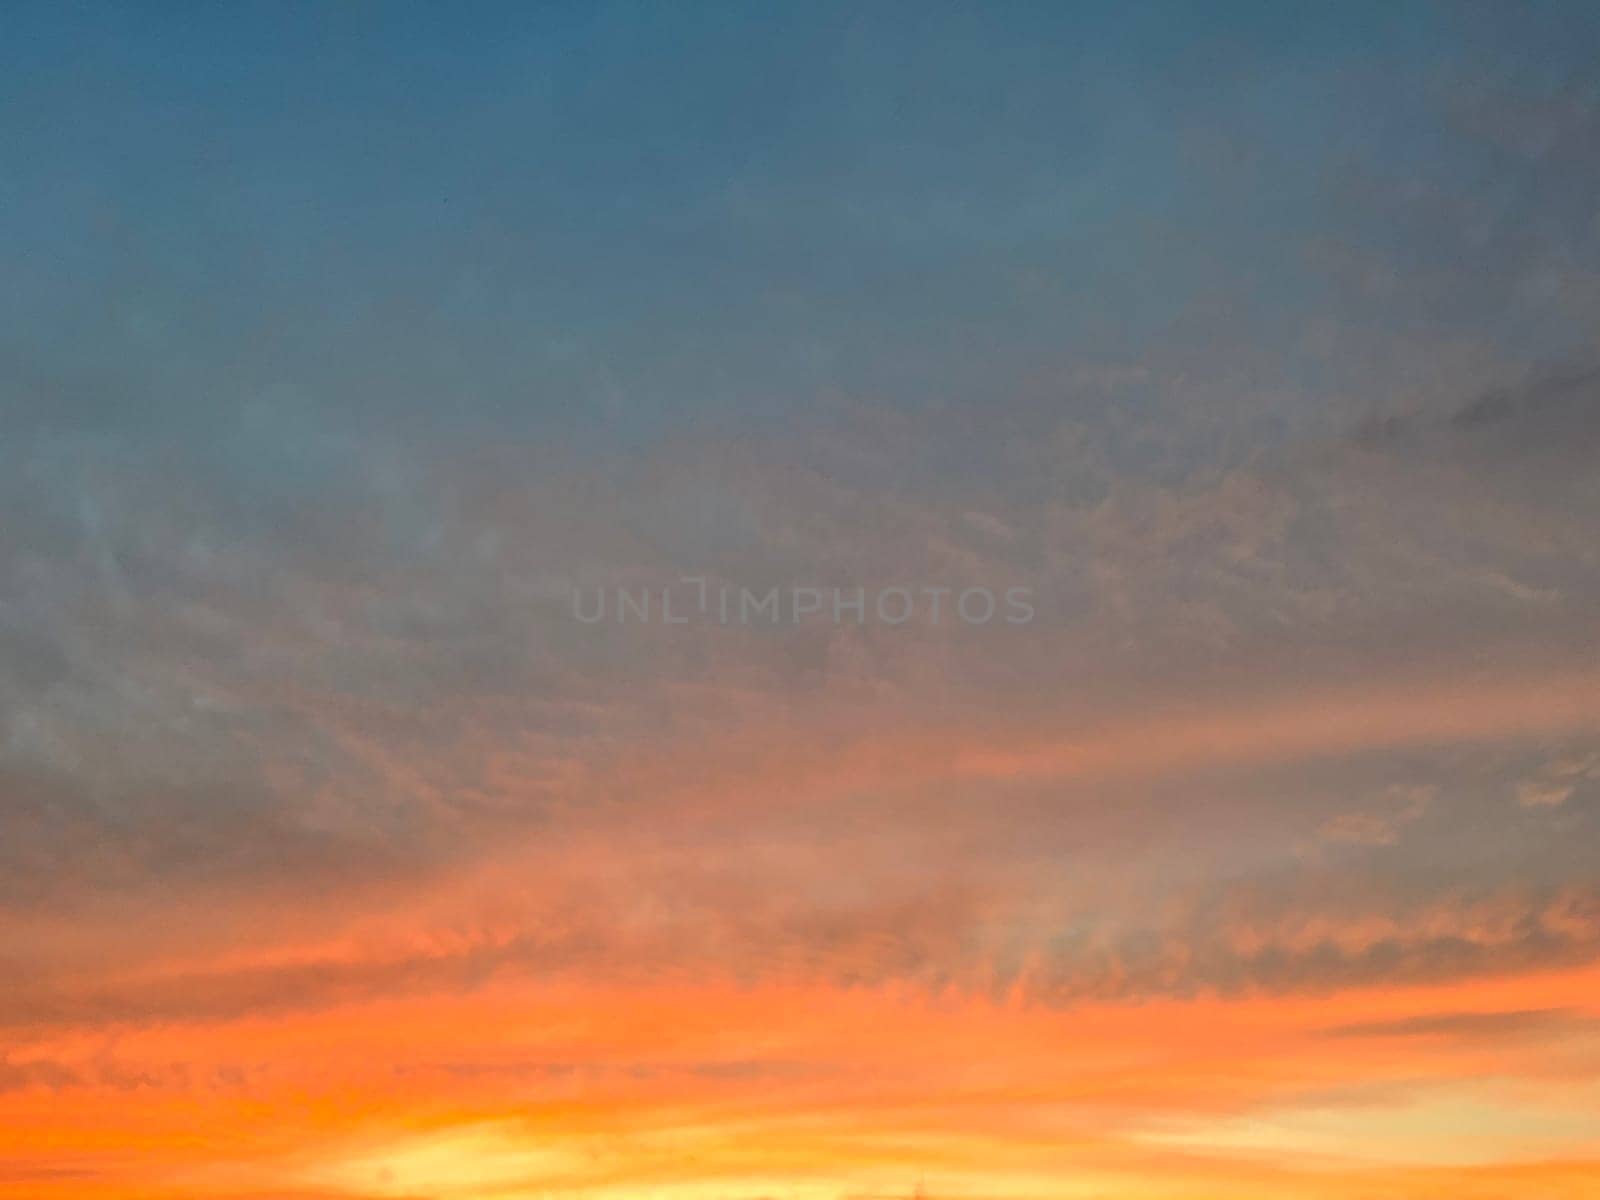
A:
[799,602]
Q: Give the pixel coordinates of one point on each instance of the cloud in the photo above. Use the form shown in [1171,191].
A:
[1406,804]
[1471,1025]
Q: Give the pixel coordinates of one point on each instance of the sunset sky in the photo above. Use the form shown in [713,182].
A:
[349,350]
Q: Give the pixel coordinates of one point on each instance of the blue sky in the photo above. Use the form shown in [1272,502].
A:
[605,217]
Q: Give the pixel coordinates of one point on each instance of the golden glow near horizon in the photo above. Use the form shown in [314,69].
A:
[552,1021]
